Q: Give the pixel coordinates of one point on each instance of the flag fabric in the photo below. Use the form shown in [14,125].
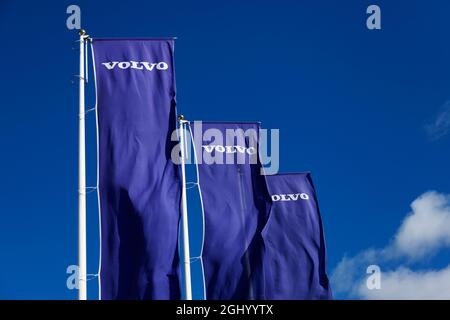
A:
[235,207]
[294,257]
[139,185]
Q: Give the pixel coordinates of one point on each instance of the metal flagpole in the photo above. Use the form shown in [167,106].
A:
[184,216]
[82,274]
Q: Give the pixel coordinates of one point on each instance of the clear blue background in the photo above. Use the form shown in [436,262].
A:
[351,105]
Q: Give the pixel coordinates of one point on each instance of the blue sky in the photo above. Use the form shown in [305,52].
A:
[353,106]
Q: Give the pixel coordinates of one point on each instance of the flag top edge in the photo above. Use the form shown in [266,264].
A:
[227,122]
[134,39]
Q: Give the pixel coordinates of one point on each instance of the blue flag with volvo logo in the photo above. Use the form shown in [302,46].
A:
[139,186]
[235,208]
[294,257]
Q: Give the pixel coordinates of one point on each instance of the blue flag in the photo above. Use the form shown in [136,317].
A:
[139,186]
[294,258]
[235,208]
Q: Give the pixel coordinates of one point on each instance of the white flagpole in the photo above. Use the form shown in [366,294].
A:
[184,215]
[82,274]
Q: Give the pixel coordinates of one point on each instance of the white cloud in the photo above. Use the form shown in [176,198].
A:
[350,271]
[422,233]
[426,229]
[440,125]
[404,284]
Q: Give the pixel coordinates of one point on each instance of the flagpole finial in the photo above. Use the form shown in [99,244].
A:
[180,117]
[82,32]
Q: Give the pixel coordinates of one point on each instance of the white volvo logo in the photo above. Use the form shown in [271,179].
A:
[229,149]
[138,65]
[290,197]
